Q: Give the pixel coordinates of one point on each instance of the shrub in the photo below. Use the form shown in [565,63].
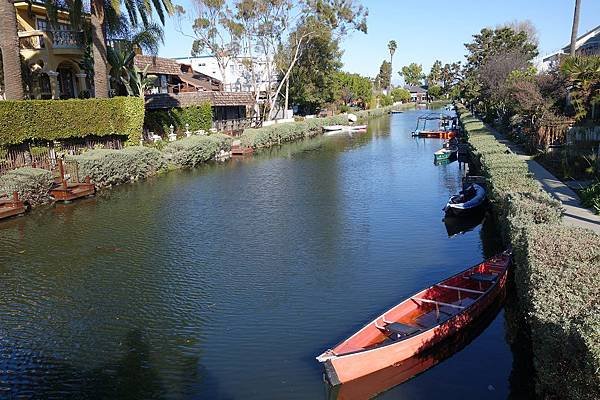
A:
[23,120]
[191,151]
[113,167]
[400,94]
[555,271]
[386,101]
[562,299]
[32,184]
[590,197]
[198,117]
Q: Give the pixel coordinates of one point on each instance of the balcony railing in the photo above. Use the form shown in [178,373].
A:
[31,40]
[66,39]
[60,39]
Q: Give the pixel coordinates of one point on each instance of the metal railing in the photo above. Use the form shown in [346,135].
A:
[59,39]
[66,39]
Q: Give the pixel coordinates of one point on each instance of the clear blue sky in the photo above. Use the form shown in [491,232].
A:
[435,29]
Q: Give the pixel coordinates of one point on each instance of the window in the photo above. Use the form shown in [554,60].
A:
[41,24]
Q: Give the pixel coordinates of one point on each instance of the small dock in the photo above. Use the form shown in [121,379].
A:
[238,150]
[436,134]
[11,207]
[69,191]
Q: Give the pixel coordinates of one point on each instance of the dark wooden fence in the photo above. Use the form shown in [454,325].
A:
[235,127]
[44,155]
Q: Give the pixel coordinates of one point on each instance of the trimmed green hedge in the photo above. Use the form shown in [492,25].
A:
[112,167]
[556,270]
[32,184]
[560,265]
[23,120]
[191,151]
[198,117]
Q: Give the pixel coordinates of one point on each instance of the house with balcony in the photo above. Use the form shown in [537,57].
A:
[53,53]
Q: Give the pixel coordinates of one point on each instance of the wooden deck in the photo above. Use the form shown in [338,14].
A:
[11,207]
[237,150]
[72,191]
[69,191]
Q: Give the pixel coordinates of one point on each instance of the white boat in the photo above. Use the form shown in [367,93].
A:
[346,128]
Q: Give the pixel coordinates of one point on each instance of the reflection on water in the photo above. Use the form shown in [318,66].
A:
[371,385]
[226,281]
[456,225]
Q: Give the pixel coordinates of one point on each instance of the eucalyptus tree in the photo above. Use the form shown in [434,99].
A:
[274,32]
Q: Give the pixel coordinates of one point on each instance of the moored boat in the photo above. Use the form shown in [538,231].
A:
[344,128]
[396,112]
[418,322]
[467,201]
[448,151]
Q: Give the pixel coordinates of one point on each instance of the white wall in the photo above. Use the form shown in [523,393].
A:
[237,76]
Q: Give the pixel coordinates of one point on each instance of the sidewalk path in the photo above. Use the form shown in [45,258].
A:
[575,214]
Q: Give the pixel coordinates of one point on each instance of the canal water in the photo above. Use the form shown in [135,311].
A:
[226,281]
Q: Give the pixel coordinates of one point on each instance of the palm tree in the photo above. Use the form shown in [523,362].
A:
[9,46]
[124,74]
[105,12]
[583,73]
[392,46]
[575,27]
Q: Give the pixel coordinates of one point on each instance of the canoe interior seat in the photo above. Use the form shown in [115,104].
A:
[483,277]
[399,330]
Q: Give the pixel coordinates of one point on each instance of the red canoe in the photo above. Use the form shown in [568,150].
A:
[418,322]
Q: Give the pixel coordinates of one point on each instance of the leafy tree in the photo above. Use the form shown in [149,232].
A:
[435,75]
[313,81]
[384,77]
[336,16]
[434,91]
[400,94]
[491,57]
[499,41]
[413,74]
[353,89]
[214,31]
[450,75]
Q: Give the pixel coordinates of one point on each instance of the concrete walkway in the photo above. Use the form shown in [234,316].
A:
[575,214]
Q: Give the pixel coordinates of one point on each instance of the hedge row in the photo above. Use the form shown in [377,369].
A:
[32,184]
[25,120]
[560,266]
[198,117]
[555,273]
[194,150]
[112,167]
